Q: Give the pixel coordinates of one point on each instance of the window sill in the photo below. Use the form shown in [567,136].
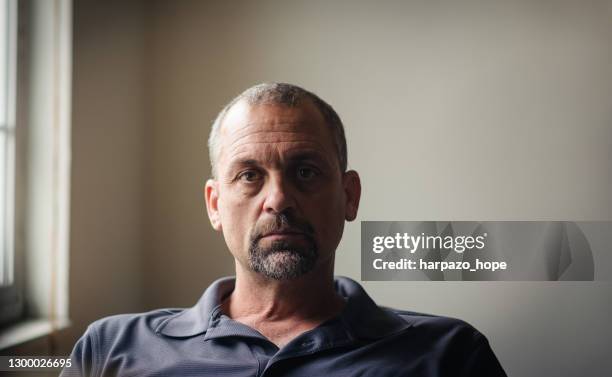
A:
[28,330]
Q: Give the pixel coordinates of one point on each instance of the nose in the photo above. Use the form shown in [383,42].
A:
[279,196]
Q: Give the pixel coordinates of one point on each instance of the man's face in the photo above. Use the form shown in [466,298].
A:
[279,197]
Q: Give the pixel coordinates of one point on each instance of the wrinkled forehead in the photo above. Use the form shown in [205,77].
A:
[256,128]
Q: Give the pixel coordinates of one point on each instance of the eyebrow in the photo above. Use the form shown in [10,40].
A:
[300,156]
[242,162]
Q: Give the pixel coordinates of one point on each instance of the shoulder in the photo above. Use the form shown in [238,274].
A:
[462,349]
[436,322]
[126,332]
[124,325]
[115,335]
[440,329]
[370,320]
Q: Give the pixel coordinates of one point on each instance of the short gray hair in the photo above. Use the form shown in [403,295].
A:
[286,95]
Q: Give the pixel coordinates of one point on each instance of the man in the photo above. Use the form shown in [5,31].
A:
[280,194]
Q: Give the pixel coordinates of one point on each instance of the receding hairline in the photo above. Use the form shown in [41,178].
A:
[243,102]
[285,95]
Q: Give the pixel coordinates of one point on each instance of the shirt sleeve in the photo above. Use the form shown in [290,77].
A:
[83,356]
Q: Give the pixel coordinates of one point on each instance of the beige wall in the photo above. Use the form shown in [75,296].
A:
[109,141]
[454,111]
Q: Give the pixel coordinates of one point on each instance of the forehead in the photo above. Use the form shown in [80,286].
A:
[265,129]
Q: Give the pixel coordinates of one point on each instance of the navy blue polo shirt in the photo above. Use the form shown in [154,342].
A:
[364,340]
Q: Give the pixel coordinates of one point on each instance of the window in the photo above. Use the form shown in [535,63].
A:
[9,294]
[35,81]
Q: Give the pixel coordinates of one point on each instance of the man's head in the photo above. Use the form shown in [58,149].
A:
[281,94]
[280,191]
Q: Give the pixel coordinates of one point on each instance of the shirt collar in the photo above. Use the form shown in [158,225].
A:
[196,320]
[361,316]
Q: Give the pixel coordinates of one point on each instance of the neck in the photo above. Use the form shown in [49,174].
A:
[310,295]
[283,309]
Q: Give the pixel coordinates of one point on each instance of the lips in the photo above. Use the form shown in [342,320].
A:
[286,233]
[283,233]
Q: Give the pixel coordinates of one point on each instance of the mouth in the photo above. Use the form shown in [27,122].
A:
[283,234]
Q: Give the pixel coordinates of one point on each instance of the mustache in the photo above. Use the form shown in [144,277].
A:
[281,223]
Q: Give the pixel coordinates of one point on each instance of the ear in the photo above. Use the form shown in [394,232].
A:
[211,196]
[352,191]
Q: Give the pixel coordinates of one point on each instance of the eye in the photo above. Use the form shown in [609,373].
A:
[249,176]
[306,173]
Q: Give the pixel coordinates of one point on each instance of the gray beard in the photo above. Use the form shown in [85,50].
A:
[282,261]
